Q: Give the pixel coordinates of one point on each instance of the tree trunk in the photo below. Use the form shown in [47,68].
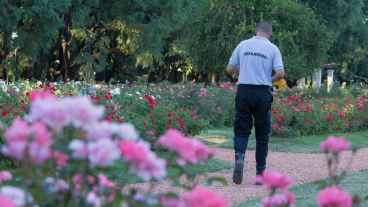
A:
[40,68]
[65,45]
[213,78]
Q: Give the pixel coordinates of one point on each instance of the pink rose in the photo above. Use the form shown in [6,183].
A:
[103,152]
[274,201]
[39,95]
[17,195]
[286,199]
[93,199]
[290,197]
[5,176]
[77,179]
[6,202]
[105,182]
[224,85]
[333,197]
[202,197]
[50,111]
[143,161]
[202,94]
[334,144]
[82,111]
[105,129]
[190,150]
[56,185]
[61,158]
[33,141]
[171,202]
[79,149]
[272,180]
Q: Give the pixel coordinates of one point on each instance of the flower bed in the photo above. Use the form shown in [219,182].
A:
[293,115]
[190,108]
[64,146]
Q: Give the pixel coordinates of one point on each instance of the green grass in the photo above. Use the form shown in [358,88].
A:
[305,144]
[121,174]
[354,183]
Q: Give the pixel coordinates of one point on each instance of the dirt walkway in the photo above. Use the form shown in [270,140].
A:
[303,168]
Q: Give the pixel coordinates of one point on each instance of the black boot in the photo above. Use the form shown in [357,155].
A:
[238,170]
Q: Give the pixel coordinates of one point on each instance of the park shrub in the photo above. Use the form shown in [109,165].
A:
[293,115]
[65,148]
[192,108]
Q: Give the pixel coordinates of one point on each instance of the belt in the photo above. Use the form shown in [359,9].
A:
[250,86]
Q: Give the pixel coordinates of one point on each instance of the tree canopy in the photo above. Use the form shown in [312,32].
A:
[164,39]
[220,25]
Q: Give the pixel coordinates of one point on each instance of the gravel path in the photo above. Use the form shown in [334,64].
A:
[303,168]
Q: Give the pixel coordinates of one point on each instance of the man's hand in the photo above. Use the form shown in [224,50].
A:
[280,73]
[232,69]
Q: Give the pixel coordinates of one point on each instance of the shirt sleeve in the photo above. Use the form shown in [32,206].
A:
[277,60]
[234,59]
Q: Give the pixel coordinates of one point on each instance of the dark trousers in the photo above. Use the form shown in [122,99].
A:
[253,106]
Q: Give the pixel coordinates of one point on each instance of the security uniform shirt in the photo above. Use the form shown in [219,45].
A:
[255,58]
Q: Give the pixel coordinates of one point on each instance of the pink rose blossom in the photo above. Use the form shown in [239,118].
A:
[202,197]
[103,153]
[16,139]
[33,141]
[143,161]
[189,149]
[171,202]
[81,110]
[77,179]
[61,185]
[79,149]
[5,176]
[202,94]
[224,85]
[58,113]
[274,201]
[102,129]
[91,179]
[290,197]
[272,179]
[17,195]
[61,158]
[105,182]
[287,199]
[105,129]
[56,185]
[334,144]
[50,111]
[127,132]
[93,199]
[6,202]
[39,95]
[333,197]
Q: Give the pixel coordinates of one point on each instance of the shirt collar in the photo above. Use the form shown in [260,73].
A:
[260,38]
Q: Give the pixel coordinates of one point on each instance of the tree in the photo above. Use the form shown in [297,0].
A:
[347,20]
[66,39]
[209,39]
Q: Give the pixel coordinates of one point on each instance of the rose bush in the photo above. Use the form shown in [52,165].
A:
[64,146]
[190,108]
[331,194]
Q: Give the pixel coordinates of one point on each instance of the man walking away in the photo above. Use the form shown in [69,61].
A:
[254,59]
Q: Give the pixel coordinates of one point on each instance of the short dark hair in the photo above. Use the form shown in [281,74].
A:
[264,26]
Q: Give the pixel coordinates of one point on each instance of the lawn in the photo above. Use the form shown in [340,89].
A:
[119,171]
[354,183]
[303,144]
